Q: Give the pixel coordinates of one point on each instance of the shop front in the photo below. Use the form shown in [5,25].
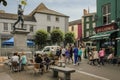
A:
[105,37]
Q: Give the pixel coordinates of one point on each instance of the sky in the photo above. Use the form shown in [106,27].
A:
[71,8]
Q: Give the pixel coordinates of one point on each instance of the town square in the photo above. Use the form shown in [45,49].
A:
[59,40]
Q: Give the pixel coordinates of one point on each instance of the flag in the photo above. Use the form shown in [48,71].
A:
[23,2]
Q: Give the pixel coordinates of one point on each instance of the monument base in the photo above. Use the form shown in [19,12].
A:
[20,40]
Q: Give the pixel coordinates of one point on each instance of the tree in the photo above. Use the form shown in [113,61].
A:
[41,38]
[69,37]
[4,2]
[56,36]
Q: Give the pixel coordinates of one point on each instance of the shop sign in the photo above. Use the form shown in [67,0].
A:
[106,28]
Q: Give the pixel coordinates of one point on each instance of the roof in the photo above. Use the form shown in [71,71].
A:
[79,21]
[14,17]
[43,9]
[90,14]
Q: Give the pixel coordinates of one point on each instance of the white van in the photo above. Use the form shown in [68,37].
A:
[48,49]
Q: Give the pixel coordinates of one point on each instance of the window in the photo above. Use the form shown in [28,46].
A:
[12,26]
[87,19]
[72,28]
[57,18]
[87,26]
[48,17]
[106,9]
[87,34]
[94,25]
[31,28]
[5,26]
[48,29]
[57,27]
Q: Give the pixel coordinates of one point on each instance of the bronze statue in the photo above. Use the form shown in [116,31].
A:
[20,17]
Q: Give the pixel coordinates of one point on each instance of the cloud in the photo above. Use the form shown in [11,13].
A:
[72,8]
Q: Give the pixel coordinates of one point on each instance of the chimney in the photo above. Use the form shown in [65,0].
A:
[85,12]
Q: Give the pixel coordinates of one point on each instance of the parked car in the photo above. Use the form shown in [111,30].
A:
[48,50]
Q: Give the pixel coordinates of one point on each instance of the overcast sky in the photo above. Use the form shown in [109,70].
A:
[71,8]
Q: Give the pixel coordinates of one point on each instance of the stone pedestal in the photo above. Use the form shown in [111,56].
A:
[20,40]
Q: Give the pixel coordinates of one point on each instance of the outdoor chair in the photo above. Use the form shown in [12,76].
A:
[37,68]
[14,66]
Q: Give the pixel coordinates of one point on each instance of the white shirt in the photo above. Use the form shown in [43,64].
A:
[15,58]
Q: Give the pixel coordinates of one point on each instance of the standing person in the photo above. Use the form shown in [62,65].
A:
[95,57]
[75,51]
[58,52]
[67,55]
[63,53]
[23,61]
[101,56]
[71,53]
[79,54]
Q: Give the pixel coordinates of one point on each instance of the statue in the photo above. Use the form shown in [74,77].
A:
[20,17]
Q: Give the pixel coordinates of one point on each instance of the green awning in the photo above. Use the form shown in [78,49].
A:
[102,35]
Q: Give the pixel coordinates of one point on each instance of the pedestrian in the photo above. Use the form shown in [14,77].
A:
[71,53]
[101,56]
[79,55]
[75,51]
[23,61]
[95,57]
[67,55]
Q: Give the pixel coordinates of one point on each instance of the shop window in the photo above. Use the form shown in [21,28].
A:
[106,9]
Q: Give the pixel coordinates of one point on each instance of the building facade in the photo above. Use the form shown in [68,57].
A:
[76,28]
[108,24]
[40,18]
[88,25]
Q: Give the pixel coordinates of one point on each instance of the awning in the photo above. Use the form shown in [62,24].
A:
[103,35]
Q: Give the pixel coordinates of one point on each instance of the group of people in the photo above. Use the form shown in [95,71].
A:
[43,61]
[67,54]
[98,57]
[18,61]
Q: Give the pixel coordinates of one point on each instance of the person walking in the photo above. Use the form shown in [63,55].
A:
[95,57]
[75,51]
[71,53]
[101,56]
[79,55]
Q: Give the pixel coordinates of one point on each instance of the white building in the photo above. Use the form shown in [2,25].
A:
[40,18]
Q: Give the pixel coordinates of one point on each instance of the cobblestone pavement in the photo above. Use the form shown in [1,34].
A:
[107,72]
[29,75]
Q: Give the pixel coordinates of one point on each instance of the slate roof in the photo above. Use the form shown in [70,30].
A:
[43,9]
[79,21]
[14,17]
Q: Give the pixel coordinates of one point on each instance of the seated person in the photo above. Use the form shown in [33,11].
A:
[38,59]
[47,61]
[15,61]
